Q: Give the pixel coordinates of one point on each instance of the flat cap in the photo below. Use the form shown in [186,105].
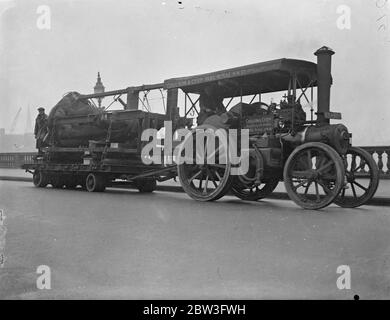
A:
[41,108]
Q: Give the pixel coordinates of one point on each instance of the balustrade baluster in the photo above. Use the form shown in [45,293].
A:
[380,161]
[386,163]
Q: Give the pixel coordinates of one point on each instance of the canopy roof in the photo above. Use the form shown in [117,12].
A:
[269,76]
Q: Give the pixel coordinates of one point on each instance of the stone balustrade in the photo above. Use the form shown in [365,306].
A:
[15,159]
[381,157]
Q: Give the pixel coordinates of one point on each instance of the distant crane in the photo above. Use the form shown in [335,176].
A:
[29,123]
[15,121]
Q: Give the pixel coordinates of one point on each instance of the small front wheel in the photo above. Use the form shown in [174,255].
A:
[313,175]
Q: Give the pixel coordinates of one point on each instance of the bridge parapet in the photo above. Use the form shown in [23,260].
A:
[16,159]
[381,157]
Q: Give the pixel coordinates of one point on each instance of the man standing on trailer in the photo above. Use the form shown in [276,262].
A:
[40,129]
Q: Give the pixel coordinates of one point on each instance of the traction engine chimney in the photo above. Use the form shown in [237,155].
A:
[324,81]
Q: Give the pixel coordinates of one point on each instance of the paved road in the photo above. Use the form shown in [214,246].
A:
[122,244]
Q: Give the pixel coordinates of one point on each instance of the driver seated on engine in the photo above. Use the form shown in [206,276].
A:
[211,103]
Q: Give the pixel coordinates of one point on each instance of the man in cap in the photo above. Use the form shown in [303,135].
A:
[40,129]
[210,102]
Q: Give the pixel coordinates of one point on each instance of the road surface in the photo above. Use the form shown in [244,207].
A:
[125,245]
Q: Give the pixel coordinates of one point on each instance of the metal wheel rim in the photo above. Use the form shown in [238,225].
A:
[353,196]
[322,169]
[206,176]
[38,179]
[90,182]
[205,182]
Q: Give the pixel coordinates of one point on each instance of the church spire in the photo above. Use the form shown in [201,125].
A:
[99,88]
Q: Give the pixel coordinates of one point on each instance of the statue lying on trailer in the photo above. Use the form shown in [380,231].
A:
[75,121]
[70,105]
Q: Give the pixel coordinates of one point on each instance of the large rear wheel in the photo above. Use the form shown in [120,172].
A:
[313,175]
[362,179]
[205,176]
[40,179]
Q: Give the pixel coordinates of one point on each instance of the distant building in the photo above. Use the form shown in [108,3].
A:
[16,142]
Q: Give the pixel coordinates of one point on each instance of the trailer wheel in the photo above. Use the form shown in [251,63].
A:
[146,185]
[358,189]
[40,179]
[311,167]
[95,183]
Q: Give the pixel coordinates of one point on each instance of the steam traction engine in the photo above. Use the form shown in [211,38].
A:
[315,159]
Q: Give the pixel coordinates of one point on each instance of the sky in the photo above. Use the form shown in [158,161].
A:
[146,41]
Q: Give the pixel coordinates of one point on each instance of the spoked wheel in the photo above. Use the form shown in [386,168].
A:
[40,179]
[95,183]
[358,188]
[314,175]
[253,192]
[211,179]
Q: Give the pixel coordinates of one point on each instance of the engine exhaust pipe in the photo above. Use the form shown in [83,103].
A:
[324,81]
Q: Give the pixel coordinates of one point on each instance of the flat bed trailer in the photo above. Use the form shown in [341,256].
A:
[94,173]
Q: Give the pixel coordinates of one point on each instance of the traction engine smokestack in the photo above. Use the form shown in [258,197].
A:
[324,81]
